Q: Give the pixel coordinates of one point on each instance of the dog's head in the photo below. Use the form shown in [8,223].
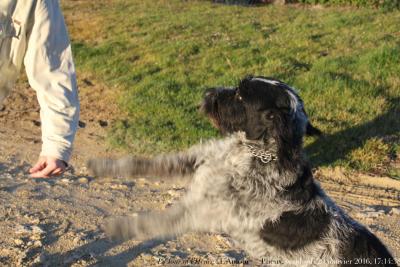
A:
[262,108]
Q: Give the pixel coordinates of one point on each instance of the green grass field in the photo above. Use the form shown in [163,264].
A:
[162,54]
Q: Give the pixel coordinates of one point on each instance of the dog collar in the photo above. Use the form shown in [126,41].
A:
[263,155]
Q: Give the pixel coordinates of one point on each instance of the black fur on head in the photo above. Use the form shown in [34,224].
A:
[263,108]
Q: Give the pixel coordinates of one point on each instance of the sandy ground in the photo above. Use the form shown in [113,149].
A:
[54,222]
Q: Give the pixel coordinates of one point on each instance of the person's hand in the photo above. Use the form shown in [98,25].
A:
[47,167]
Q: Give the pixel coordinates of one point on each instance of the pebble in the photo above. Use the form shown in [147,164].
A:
[395,211]
[32,218]
[81,124]
[172,193]
[119,186]
[103,123]
[35,220]
[23,229]
[40,259]
[21,258]
[37,243]
[36,123]
[37,230]
[35,237]
[77,240]
[65,181]
[33,113]
[83,180]
[18,242]
[143,183]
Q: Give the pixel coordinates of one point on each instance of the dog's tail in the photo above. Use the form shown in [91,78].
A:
[161,166]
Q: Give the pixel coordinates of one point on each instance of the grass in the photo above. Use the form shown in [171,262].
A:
[163,54]
[384,4]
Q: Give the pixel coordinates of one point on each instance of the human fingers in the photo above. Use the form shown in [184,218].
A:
[40,165]
[44,173]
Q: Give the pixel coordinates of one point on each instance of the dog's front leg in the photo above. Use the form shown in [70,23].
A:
[180,164]
[171,222]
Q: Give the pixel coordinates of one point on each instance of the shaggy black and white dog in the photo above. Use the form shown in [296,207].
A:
[254,184]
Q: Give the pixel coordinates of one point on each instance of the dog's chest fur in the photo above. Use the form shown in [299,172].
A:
[228,173]
[230,183]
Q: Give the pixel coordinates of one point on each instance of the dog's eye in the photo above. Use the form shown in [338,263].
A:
[269,115]
[238,97]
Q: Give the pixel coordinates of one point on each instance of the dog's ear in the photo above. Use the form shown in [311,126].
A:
[283,103]
[312,131]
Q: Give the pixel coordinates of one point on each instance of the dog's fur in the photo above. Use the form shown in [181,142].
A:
[272,208]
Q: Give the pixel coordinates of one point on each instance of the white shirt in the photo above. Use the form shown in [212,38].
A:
[33,32]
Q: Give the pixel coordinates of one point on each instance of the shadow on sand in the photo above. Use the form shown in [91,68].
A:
[330,148]
[97,249]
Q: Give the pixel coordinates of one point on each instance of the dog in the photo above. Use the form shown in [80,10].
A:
[255,184]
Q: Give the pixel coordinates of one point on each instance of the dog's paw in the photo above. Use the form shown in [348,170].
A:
[99,167]
[121,228]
